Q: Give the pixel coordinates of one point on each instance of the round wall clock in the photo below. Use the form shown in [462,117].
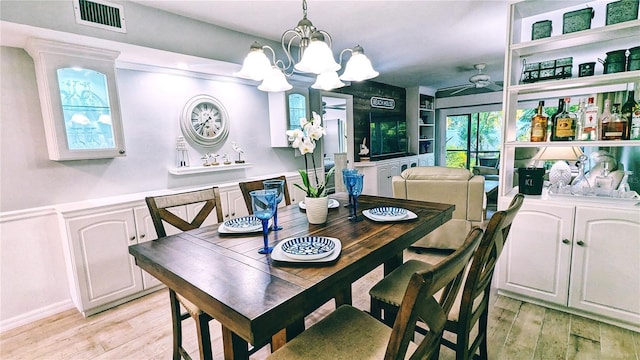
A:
[205,120]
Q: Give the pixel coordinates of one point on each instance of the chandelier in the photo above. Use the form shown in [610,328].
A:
[314,56]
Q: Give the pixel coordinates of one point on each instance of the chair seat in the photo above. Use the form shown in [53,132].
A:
[390,289]
[340,335]
[191,308]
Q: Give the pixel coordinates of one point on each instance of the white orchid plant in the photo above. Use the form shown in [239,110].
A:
[304,139]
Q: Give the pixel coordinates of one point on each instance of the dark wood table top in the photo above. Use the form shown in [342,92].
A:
[253,296]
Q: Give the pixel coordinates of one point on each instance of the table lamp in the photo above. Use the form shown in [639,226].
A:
[560,171]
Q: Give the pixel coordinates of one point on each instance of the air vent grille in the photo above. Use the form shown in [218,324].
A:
[100,14]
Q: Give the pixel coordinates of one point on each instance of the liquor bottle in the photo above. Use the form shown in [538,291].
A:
[628,110]
[550,122]
[604,118]
[581,118]
[616,127]
[539,125]
[590,129]
[564,124]
[603,184]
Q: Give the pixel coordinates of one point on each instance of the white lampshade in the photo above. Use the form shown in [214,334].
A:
[358,67]
[570,153]
[275,81]
[317,58]
[328,81]
[255,66]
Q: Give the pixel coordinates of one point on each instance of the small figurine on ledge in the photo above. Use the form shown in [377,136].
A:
[225,159]
[239,150]
[210,160]
[364,150]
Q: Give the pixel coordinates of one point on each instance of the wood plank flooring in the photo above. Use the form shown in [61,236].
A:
[141,329]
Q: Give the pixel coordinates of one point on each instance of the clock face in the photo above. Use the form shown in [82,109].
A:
[205,121]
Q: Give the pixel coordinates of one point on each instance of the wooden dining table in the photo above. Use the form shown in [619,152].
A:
[258,300]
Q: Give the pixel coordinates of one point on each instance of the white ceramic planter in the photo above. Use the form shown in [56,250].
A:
[317,209]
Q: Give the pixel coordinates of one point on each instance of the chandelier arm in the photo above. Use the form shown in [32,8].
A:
[327,37]
[341,54]
[286,47]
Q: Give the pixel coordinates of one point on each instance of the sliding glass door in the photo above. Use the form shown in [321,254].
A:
[473,139]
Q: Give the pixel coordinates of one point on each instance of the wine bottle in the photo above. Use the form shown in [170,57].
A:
[539,125]
[550,122]
[590,128]
[615,127]
[581,118]
[564,124]
[628,110]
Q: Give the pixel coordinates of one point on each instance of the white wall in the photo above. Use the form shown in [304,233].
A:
[33,279]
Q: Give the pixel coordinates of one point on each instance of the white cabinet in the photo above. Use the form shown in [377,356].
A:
[295,194]
[536,258]
[103,271]
[606,263]
[285,110]
[580,258]
[79,100]
[233,205]
[378,174]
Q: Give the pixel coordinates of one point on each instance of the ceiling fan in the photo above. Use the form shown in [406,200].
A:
[479,80]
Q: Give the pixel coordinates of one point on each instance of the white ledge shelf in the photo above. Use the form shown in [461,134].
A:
[205,169]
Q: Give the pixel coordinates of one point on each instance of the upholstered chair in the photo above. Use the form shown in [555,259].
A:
[444,185]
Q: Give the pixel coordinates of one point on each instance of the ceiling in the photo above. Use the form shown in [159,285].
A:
[411,43]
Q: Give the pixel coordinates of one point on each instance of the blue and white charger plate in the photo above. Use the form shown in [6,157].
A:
[245,224]
[333,203]
[381,214]
[278,253]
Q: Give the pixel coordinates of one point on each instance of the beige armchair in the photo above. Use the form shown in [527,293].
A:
[445,185]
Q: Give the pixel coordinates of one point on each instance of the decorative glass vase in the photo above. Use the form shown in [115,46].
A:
[317,209]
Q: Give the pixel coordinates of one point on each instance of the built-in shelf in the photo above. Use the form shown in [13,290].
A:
[205,169]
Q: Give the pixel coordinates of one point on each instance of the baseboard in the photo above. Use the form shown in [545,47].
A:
[35,315]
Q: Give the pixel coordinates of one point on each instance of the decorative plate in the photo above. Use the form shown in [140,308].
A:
[333,203]
[410,216]
[308,247]
[388,213]
[282,257]
[243,224]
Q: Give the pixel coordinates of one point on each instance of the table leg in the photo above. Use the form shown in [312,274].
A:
[279,339]
[234,346]
[392,264]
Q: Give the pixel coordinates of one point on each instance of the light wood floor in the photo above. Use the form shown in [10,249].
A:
[141,329]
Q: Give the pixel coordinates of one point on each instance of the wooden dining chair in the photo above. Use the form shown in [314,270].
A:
[160,209]
[471,303]
[248,186]
[349,333]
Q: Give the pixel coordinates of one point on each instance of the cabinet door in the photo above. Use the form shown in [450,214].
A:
[606,263]
[233,205]
[384,180]
[104,269]
[295,193]
[535,260]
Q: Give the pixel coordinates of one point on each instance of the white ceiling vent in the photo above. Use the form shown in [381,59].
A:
[100,14]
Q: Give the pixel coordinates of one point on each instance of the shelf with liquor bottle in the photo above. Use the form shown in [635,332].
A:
[575,228]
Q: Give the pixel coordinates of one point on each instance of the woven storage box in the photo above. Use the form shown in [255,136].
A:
[577,20]
[621,11]
[541,29]
[547,70]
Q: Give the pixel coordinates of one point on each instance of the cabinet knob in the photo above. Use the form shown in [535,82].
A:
[233,214]
[581,243]
[566,241]
[132,238]
[121,151]
[142,236]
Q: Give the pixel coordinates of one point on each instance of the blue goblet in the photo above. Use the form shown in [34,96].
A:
[354,187]
[264,205]
[345,173]
[278,186]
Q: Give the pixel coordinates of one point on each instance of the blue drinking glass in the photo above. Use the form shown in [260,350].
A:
[354,187]
[345,173]
[264,205]
[277,185]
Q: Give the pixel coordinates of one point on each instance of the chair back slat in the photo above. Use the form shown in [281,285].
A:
[480,275]
[419,303]
[159,209]
[249,186]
